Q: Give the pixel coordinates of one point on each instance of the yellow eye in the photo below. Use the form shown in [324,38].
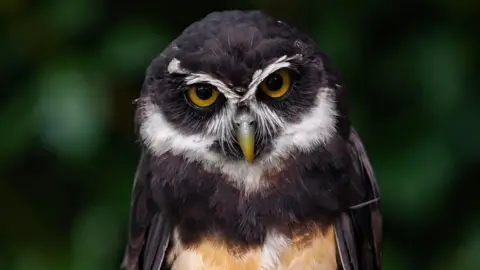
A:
[202,95]
[276,84]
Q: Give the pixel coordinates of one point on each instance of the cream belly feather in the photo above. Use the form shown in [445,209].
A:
[313,249]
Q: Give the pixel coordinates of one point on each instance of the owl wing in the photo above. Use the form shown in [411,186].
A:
[149,227]
[359,230]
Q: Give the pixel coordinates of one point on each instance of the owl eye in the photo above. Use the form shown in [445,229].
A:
[276,84]
[202,95]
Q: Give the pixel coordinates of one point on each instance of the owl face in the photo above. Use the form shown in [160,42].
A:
[238,91]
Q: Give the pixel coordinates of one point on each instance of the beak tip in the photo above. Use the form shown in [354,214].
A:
[248,157]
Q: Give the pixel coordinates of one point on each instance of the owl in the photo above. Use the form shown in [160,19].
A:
[249,159]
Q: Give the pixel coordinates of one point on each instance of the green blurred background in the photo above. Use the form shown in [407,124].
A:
[70,70]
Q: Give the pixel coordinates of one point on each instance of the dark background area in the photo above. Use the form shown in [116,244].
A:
[70,70]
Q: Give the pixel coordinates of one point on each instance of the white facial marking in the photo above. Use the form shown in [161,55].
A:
[161,137]
[194,78]
[268,121]
[275,244]
[315,128]
[221,126]
[260,74]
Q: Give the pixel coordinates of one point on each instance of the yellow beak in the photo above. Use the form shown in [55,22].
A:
[246,140]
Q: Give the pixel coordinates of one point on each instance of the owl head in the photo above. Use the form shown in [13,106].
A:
[240,89]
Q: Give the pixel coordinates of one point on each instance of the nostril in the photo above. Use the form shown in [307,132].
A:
[244,119]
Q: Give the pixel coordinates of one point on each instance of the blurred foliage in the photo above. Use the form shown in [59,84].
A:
[71,69]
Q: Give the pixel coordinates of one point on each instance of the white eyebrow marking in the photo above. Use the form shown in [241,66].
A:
[193,78]
[261,74]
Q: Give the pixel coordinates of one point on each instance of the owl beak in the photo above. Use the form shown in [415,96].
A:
[246,137]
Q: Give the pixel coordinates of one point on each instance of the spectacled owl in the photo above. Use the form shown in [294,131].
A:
[249,159]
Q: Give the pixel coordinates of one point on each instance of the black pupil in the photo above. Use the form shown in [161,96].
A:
[274,82]
[204,92]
